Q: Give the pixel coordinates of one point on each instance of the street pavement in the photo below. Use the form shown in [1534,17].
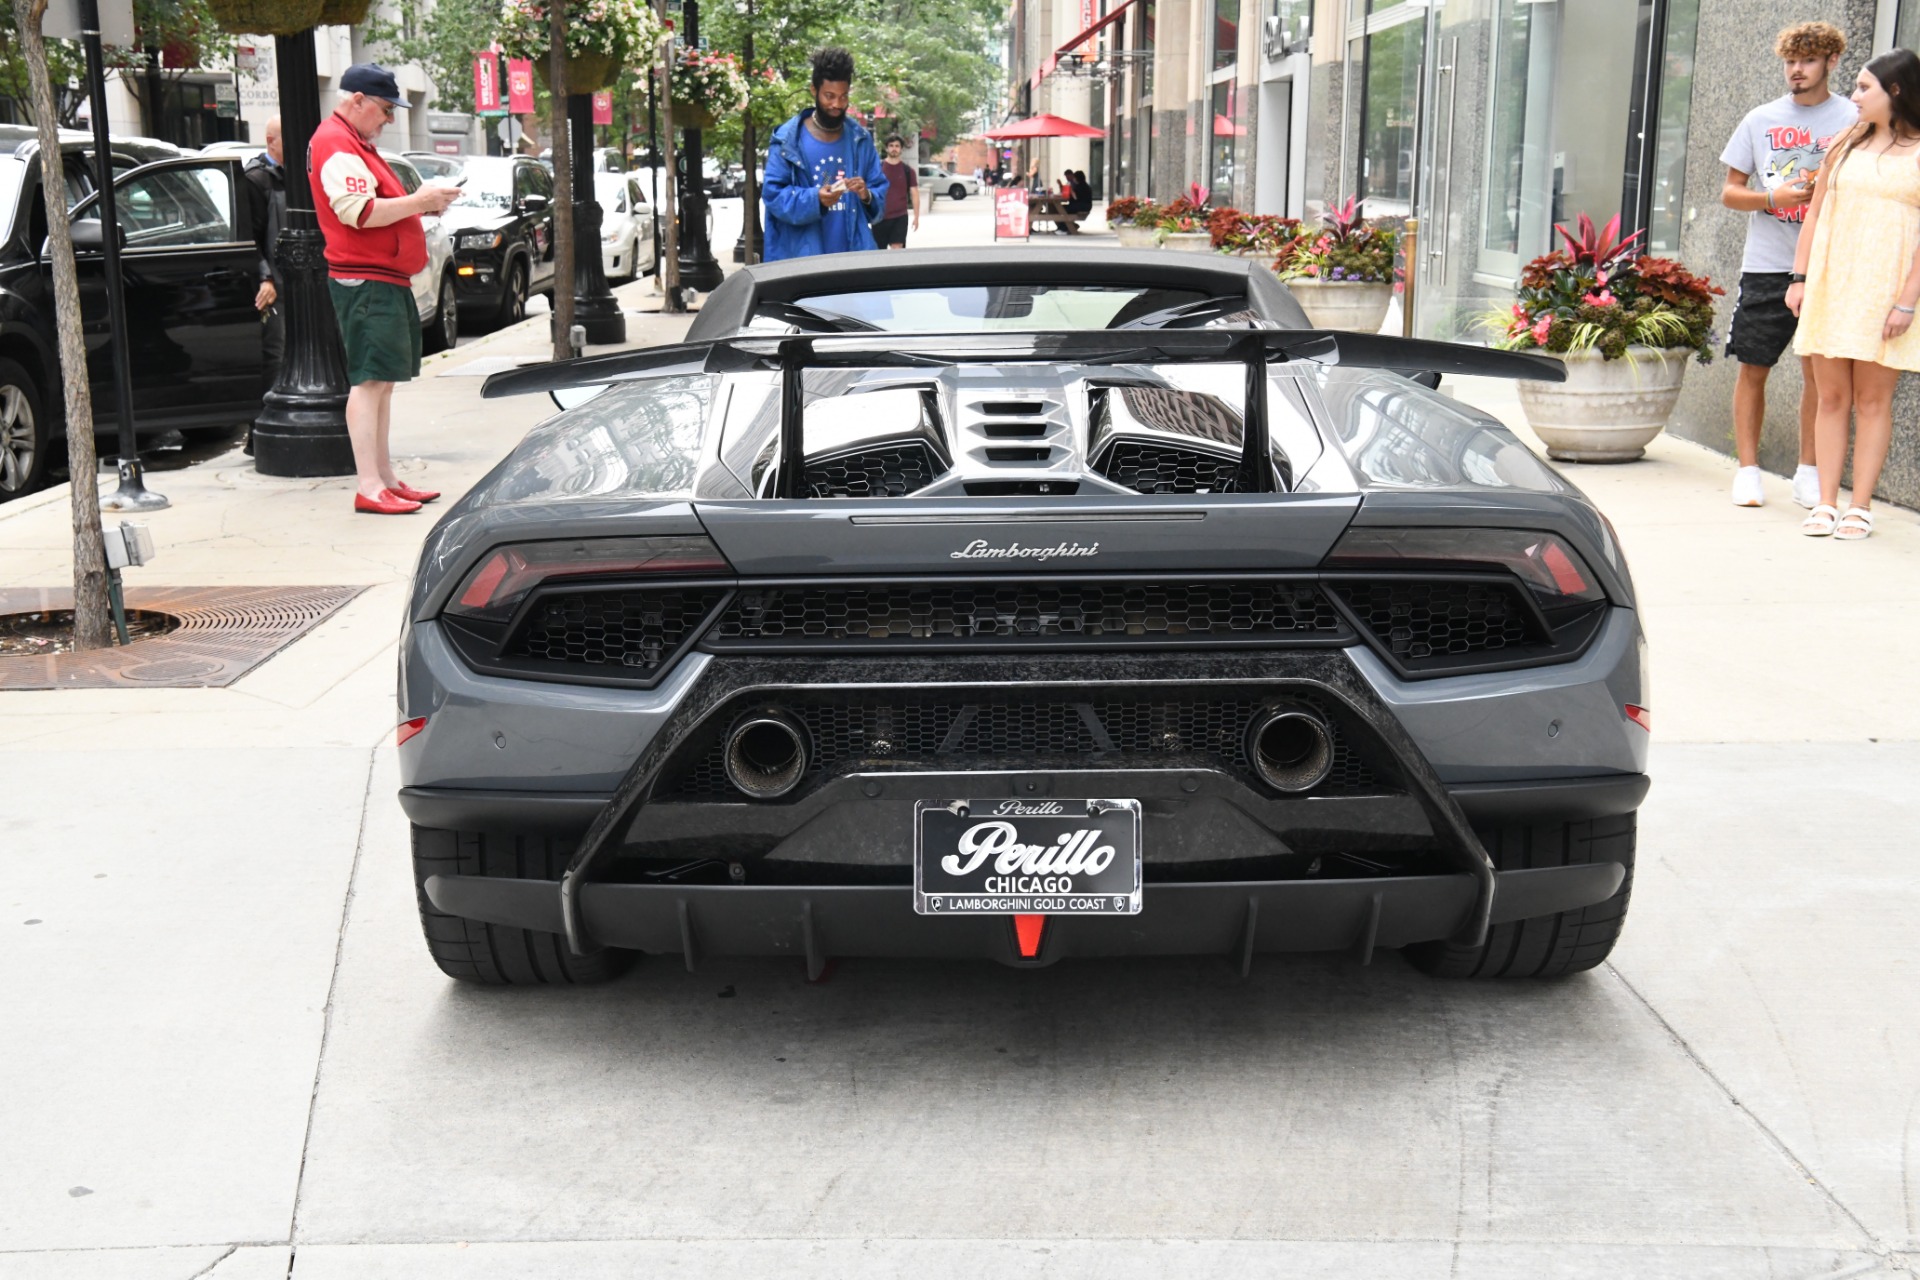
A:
[227,1054]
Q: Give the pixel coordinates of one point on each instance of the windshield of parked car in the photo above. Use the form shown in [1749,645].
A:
[981,308]
[435,166]
[489,185]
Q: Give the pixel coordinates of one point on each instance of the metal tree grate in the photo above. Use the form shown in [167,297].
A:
[224,633]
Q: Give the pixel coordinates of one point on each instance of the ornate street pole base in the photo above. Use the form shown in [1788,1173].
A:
[595,309]
[302,430]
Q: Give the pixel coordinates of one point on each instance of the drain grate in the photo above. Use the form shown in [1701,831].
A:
[224,633]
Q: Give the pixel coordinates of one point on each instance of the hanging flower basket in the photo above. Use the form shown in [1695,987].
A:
[586,72]
[344,13]
[706,86]
[602,37]
[267,17]
[692,115]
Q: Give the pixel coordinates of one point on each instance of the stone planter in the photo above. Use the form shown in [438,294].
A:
[1132,237]
[1606,410]
[1188,241]
[1342,304]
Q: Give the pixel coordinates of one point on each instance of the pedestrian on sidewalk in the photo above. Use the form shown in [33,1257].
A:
[1782,144]
[903,197]
[824,184]
[376,244]
[1856,283]
[266,194]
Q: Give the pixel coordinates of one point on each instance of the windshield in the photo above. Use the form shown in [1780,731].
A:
[982,308]
[435,166]
[489,185]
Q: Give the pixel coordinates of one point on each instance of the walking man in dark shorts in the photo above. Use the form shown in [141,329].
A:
[903,198]
[375,245]
[1782,144]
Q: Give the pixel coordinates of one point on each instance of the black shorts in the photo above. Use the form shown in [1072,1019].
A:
[1762,326]
[890,231]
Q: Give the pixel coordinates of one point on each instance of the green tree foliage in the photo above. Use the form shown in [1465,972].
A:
[66,66]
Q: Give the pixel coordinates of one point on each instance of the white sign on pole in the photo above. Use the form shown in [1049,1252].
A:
[116,21]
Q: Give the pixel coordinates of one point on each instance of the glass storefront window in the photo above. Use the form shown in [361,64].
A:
[1388,117]
[1507,126]
[1669,174]
[1226,33]
[1224,154]
[1906,28]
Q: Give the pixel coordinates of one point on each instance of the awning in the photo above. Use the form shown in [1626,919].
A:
[1053,59]
[1044,126]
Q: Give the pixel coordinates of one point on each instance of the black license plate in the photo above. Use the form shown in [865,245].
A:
[1024,857]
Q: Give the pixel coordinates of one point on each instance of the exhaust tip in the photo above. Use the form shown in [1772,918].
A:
[766,755]
[1291,749]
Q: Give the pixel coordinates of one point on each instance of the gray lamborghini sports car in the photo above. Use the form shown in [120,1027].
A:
[1020,604]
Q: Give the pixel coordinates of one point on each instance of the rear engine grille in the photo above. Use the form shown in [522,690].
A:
[890,471]
[1153,468]
[1041,612]
[1430,620]
[634,631]
[876,731]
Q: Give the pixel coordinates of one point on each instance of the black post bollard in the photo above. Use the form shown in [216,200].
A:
[698,268]
[302,430]
[594,306]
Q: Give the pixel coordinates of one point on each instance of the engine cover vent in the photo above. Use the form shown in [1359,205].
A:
[1161,468]
[882,471]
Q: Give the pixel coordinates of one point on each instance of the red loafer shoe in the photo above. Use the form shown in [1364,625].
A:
[388,503]
[411,494]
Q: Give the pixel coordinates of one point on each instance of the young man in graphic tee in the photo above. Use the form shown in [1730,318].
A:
[824,184]
[375,245]
[1781,145]
[903,197]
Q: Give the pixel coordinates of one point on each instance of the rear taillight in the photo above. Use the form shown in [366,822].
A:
[502,580]
[1552,569]
[1640,716]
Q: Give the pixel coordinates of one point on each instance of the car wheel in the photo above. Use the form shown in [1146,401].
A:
[957,192]
[513,303]
[494,955]
[445,329]
[1546,946]
[24,451]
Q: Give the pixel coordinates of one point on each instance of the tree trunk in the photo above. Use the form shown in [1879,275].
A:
[90,615]
[670,244]
[563,246]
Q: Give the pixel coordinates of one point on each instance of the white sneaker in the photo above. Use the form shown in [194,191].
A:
[1806,485]
[1746,488]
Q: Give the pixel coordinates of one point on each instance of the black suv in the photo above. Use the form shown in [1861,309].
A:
[502,228]
[191,272]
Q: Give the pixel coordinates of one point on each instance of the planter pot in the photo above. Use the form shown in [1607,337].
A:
[692,115]
[1132,237]
[588,73]
[266,17]
[1188,241]
[1343,305]
[344,13]
[1606,410]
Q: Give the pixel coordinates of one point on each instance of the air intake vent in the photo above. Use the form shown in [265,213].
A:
[1012,408]
[623,632]
[1004,454]
[886,471]
[1157,468]
[1013,430]
[1429,622]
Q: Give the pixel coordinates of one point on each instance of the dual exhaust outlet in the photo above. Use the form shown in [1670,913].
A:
[1290,747]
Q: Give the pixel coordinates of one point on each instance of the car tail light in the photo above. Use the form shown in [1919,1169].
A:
[1640,716]
[1552,569]
[407,729]
[500,582]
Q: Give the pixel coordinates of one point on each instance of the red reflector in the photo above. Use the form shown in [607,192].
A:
[1566,575]
[1027,929]
[1640,716]
[480,591]
[407,729]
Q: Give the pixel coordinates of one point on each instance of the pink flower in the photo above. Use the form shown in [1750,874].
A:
[1519,312]
[1600,299]
[1600,278]
[1541,328]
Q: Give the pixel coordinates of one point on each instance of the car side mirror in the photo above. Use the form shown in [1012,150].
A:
[87,238]
[533,203]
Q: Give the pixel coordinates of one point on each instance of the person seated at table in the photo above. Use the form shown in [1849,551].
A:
[1077,193]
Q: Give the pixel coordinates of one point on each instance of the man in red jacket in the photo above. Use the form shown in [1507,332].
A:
[375,245]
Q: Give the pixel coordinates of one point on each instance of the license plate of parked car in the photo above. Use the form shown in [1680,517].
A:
[1019,857]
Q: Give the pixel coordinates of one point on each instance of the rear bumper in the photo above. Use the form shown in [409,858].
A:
[816,923]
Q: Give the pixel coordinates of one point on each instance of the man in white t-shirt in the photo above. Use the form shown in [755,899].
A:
[1781,144]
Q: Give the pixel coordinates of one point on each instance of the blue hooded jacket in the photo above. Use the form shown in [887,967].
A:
[795,222]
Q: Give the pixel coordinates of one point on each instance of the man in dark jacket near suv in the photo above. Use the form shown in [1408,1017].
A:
[267,198]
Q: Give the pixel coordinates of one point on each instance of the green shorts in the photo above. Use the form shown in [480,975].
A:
[380,328]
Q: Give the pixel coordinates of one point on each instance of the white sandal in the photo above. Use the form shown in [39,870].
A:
[1820,521]
[1854,526]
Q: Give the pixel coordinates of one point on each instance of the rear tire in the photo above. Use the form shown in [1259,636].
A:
[957,192]
[444,332]
[494,955]
[1545,946]
[513,300]
[25,436]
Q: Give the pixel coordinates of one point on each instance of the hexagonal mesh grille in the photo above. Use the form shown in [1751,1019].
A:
[1035,611]
[975,732]
[886,472]
[1152,468]
[1418,620]
[634,630]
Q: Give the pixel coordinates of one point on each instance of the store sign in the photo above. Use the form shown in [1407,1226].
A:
[603,107]
[446,146]
[520,86]
[1010,213]
[486,86]
[226,99]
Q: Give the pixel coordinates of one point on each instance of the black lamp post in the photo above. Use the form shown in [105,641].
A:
[698,269]
[594,306]
[302,430]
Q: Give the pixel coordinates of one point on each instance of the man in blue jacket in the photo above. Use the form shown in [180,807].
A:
[823,183]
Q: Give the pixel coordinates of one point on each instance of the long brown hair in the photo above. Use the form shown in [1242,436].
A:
[1898,71]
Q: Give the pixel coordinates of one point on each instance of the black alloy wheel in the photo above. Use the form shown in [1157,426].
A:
[24,452]
[444,332]
[957,192]
[513,304]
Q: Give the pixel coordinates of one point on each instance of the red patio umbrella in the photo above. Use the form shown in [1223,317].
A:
[1044,126]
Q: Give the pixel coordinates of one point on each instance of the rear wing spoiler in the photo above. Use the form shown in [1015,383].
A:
[792,354]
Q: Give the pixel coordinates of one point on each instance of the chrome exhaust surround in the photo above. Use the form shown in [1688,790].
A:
[766,754]
[1291,749]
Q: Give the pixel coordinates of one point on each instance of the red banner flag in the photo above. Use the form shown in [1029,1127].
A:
[520,86]
[486,85]
[603,107]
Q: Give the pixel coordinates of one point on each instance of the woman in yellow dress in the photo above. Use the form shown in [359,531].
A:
[1856,284]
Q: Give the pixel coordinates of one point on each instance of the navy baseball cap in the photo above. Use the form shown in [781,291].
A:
[373,80]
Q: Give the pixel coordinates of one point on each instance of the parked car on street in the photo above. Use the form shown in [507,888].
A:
[434,292]
[626,226]
[1020,604]
[502,228]
[955,186]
